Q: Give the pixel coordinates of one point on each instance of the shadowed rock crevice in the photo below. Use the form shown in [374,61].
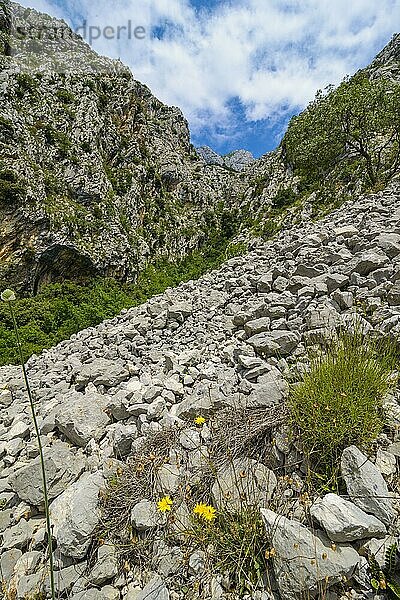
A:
[61,262]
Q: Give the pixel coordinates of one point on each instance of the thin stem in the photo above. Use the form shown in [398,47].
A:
[46,499]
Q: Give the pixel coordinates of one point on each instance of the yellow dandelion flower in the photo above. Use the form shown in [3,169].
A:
[200,420]
[199,509]
[164,504]
[210,513]
[205,511]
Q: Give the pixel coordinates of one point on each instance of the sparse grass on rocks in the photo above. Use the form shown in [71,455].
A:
[230,539]
[239,545]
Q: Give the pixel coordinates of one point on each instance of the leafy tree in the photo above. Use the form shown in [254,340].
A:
[355,125]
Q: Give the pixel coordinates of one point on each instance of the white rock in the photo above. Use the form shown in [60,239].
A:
[343,521]
[366,486]
[76,513]
[145,516]
[303,564]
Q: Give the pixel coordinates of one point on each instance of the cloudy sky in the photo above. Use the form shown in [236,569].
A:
[237,68]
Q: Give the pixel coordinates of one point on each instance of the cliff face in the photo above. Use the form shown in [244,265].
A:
[96,175]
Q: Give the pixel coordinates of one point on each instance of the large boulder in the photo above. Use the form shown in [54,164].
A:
[370,260]
[82,417]
[304,565]
[366,486]
[343,521]
[101,371]
[76,513]
[244,480]
[279,342]
[63,467]
[269,390]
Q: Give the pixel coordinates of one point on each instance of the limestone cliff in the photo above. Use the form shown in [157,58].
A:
[97,176]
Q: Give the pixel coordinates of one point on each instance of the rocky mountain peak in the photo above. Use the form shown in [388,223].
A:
[387,62]
[237,160]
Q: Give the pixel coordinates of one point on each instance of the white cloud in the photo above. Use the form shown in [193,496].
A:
[265,54]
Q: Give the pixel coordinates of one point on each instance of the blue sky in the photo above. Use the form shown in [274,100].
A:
[239,69]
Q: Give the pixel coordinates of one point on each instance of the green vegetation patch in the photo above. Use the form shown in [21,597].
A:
[339,401]
[62,309]
[12,190]
[349,133]
[240,547]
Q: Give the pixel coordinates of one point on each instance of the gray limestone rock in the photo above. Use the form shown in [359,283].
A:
[65,578]
[366,486]
[8,560]
[303,563]
[106,566]
[347,231]
[121,437]
[180,311]
[19,535]
[271,388]
[154,590]
[145,516]
[82,417]
[279,342]
[390,243]
[343,521]
[63,467]
[257,326]
[102,372]
[378,548]
[394,294]
[370,260]
[28,586]
[76,513]
[167,560]
[6,518]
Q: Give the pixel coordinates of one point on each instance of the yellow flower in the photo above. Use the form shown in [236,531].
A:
[205,511]
[270,553]
[164,504]
[199,420]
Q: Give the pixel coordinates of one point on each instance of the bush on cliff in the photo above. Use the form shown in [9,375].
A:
[348,134]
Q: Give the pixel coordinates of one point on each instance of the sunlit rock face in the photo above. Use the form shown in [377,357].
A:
[97,176]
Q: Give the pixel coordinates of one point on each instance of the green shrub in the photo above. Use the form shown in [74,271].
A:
[6,128]
[54,137]
[66,96]
[265,228]
[25,84]
[11,189]
[355,125]
[283,198]
[339,401]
